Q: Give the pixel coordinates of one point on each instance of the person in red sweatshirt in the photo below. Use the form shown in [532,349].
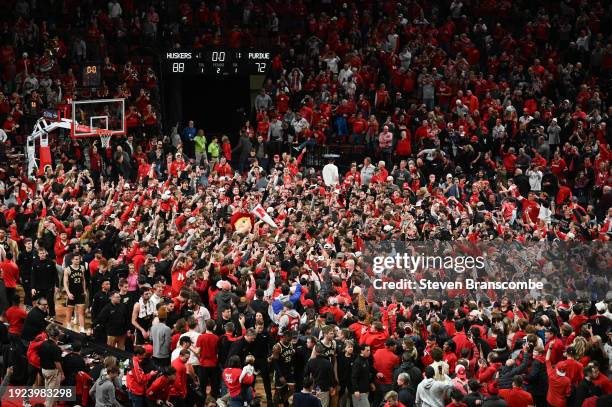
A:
[486,371]
[574,369]
[159,391]
[360,327]
[208,343]
[577,319]
[231,378]
[516,396]
[461,340]
[10,274]
[385,361]
[333,309]
[450,357]
[375,338]
[15,316]
[600,380]
[554,344]
[137,379]
[559,385]
[178,392]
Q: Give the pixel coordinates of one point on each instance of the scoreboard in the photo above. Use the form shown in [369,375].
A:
[216,62]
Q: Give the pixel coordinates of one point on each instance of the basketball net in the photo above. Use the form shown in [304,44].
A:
[105,137]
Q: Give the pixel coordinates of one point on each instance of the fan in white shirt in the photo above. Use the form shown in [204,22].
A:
[330,174]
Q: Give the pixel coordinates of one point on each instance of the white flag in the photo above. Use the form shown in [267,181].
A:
[261,213]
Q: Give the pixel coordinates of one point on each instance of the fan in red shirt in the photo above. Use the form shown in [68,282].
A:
[375,338]
[136,378]
[404,145]
[554,344]
[577,319]
[559,385]
[159,390]
[10,274]
[179,390]
[516,396]
[179,273]
[208,343]
[222,168]
[15,315]
[231,377]
[385,361]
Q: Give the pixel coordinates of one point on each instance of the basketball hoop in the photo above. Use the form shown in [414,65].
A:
[105,137]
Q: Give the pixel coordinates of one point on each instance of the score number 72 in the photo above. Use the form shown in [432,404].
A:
[261,67]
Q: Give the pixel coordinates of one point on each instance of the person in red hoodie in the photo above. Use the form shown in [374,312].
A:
[15,316]
[574,369]
[375,338]
[208,343]
[600,380]
[392,400]
[137,379]
[10,274]
[486,371]
[333,309]
[178,392]
[385,361]
[159,391]
[516,396]
[555,345]
[559,385]
[360,327]
[450,357]
[461,340]
[576,318]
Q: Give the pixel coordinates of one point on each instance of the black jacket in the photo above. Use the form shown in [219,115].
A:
[507,373]
[537,378]
[115,318]
[44,275]
[584,390]
[322,371]
[72,363]
[34,324]
[345,366]
[414,372]
[361,375]
[25,261]
[98,302]
[471,398]
[242,348]
[406,396]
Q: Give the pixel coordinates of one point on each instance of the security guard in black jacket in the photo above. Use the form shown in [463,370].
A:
[44,279]
[361,377]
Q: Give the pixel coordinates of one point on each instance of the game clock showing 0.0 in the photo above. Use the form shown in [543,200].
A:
[216,62]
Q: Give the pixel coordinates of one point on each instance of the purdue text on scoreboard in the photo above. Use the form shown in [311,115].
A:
[217,61]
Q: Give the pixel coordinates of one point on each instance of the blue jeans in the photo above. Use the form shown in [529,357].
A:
[235,402]
[137,401]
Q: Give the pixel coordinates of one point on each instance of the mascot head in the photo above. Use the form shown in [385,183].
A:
[242,222]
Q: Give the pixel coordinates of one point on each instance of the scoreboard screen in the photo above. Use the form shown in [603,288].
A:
[218,61]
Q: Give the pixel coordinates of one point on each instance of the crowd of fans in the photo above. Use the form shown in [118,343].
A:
[480,121]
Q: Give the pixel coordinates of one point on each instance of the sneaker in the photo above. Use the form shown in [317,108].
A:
[221,403]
